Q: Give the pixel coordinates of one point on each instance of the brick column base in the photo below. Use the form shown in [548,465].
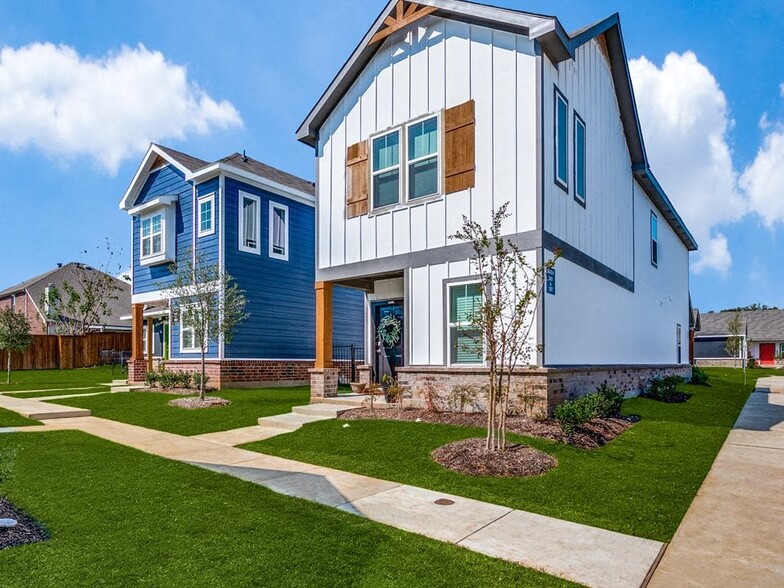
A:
[137,369]
[364,373]
[323,382]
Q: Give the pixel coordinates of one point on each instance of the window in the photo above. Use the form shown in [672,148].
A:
[206,216]
[188,342]
[781,350]
[278,231]
[422,155]
[654,239]
[561,140]
[386,169]
[250,219]
[678,337]
[465,341]
[579,159]
[152,235]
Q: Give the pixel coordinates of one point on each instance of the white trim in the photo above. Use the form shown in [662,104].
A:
[143,171]
[222,245]
[189,350]
[253,179]
[272,207]
[159,202]
[399,166]
[153,257]
[448,324]
[557,155]
[241,223]
[439,160]
[149,297]
[199,201]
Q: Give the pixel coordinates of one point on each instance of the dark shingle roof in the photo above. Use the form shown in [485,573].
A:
[187,161]
[266,171]
[763,325]
[71,273]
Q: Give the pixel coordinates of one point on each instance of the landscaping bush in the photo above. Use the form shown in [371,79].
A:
[150,379]
[166,379]
[612,400]
[572,413]
[698,376]
[752,363]
[665,389]
[197,380]
[183,379]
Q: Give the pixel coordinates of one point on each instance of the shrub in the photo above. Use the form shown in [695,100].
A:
[197,380]
[166,379]
[612,400]
[150,379]
[462,396]
[752,363]
[663,389]
[698,376]
[183,380]
[572,413]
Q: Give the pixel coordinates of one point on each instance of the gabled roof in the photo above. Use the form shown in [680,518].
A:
[556,43]
[759,325]
[72,273]
[195,169]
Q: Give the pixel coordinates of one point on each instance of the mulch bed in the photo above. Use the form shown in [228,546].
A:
[469,456]
[26,531]
[596,433]
[197,403]
[172,391]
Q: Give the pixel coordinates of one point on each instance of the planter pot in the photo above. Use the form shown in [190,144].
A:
[358,387]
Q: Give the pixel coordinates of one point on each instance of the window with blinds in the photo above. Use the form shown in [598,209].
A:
[279,231]
[249,223]
[423,174]
[465,340]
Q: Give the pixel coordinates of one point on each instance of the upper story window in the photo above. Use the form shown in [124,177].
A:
[579,159]
[278,231]
[386,169]
[465,340]
[654,239]
[206,218]
[393,183]
[249,223]
[561,140]
[152,235]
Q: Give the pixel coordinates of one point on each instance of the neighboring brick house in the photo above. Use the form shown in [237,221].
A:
[29,296]
[762,330]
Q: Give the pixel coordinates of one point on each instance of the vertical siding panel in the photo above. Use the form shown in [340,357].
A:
[401,225]
[419,83]
[324,194]
[368,100]
[418,227]
[436,58]
[353,227]
[419,320]
[505,123]
[338,185]
[482,201]
[384,89]
[368,236]
[436,224]
[384,235]
[401,81]
[438,273]
[526,136]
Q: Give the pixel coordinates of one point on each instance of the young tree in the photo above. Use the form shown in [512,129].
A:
[734,344]
[14,335]
[511,287]
[75,307]
[209,304]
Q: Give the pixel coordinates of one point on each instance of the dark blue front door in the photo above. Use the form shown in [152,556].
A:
[388,326]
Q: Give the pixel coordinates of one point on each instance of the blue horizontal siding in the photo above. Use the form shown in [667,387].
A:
[176,353]
[208,246]
[163,182]
[348,317]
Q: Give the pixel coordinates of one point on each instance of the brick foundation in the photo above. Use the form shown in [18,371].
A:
[533,390]
[323,382]
[234,373]
[137,369]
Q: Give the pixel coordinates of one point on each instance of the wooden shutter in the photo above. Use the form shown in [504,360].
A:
[459,147]
[357,180]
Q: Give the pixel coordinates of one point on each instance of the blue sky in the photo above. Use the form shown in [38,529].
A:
[251,71]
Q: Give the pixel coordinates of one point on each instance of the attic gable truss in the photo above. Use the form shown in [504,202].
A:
[403,15]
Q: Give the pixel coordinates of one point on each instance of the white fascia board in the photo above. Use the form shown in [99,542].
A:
[256,180]
[158,202]
[150,297]
[141,174]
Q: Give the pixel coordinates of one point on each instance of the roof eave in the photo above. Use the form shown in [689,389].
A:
[658,196]
[153,152]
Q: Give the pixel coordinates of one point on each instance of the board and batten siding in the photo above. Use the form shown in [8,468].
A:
[440,64]
[591,321]
[603,227]
[280,294]
[163,182]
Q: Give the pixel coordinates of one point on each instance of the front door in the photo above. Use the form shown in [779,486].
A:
[388,328]
[767,353]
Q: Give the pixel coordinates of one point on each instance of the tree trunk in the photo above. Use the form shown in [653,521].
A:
[8,378]
[203,369]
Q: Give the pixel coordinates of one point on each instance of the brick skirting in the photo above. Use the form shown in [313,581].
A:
[534,389]
[238,373]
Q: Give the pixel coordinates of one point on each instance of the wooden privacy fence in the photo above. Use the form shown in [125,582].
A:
[50,352]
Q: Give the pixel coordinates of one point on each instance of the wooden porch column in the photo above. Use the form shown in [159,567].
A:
[137,335]
[323,325]
[149,345]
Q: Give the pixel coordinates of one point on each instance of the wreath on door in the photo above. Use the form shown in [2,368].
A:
[389,330]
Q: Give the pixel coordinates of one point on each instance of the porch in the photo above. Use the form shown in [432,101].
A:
[150,341]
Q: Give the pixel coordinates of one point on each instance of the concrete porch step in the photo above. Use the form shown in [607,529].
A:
[350,400]
[325,410]
[290,421]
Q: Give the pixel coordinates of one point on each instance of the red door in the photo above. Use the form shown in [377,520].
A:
[767,353]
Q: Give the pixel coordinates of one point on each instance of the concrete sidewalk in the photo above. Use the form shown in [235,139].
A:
[732,535]
[588,555]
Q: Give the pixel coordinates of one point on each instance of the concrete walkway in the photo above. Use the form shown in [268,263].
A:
[732,535]
[590,556]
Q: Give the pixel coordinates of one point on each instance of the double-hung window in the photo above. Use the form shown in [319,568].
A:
[579,159]
[206,218]
[654,239]
[422,155]
[188,343]
[465,340]
[152,235]
[386,169]
[278,231]
[249,223]
[561,140]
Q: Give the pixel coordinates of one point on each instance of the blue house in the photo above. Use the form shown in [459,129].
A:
[258,224]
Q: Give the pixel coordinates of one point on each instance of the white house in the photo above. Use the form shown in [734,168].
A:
[449,109]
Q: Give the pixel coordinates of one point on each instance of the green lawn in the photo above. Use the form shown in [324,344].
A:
[58,379]
[11,419]
[57,392]
[641,483]
[152,410]
[144,520]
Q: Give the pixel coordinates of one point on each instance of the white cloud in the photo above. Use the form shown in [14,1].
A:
[763,180]
[686,121]
[108,109]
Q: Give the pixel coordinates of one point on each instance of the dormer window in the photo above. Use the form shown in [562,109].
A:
[152,235]
[156,230]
